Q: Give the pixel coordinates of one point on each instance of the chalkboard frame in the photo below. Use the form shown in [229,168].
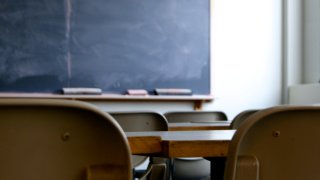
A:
[197,100]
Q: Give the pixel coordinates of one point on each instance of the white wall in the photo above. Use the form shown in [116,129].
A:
[305,43]
[311,34]
[292,46]
[246,59]
[246,54]
[294,42]
[303,94]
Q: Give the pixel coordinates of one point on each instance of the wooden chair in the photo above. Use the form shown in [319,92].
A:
[276,143]
[196,167]
[239,119]
[60,139]
[144,121]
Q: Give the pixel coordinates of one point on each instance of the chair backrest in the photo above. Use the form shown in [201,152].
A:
[276,143]
[195,116]
[60,139]
[140,121]
[238,120]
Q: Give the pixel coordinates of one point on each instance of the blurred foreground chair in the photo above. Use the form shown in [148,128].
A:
[197,167]
[241,117]
[145,121]
[60,139]
[276,143]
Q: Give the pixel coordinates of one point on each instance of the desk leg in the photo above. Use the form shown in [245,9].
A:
[217,167]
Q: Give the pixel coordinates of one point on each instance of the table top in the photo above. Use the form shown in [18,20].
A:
[192,126]
[206,143]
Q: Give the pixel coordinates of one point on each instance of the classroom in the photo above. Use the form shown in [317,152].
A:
[131,65]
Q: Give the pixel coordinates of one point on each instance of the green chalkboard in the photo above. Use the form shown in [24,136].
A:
[114,45]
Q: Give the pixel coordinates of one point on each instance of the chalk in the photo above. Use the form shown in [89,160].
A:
[81,90]
[137,92]
[173,91]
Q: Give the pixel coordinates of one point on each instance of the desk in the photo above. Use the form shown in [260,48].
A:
[194,126]
[212,144]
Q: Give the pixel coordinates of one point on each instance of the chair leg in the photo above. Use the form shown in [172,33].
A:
[217,167]
[171,168]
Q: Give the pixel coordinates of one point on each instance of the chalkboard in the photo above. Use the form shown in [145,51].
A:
[114,45]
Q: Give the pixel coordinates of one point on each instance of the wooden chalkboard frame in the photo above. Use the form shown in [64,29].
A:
[197,100]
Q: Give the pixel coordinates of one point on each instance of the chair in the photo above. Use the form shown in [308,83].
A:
[197,167]
[144,121]
[276,143]
[60,139]
[238,120]
[195,116]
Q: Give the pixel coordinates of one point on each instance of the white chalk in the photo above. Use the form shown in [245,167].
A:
[81,90]
[137,92]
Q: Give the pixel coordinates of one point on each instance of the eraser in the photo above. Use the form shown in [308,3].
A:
[137,92]
[169,91]
[75,91]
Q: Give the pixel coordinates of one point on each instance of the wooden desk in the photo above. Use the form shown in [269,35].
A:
[211,144]
[194,126]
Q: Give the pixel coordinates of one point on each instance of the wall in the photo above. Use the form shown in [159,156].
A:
[305,43]
[293,42]
[302,94]
[311,41]
[246,54]
[292,46]
[245,58]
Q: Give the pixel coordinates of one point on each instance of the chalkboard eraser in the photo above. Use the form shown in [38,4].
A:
[137,92]
[173,91]
[76,91]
